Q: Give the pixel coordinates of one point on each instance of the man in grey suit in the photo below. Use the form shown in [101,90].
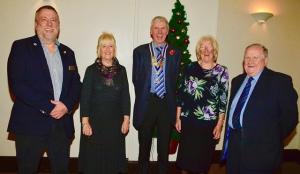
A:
[262,113]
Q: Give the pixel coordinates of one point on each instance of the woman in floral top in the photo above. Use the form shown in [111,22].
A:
[201,108]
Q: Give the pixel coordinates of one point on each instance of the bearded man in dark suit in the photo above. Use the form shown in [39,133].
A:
[44,79]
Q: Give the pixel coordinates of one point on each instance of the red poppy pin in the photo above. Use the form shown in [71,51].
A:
[172,52]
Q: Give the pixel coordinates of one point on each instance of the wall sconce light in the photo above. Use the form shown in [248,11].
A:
[261,17]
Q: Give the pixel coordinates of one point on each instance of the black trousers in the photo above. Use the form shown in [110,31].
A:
[158,118]
[29,150]
[234,161]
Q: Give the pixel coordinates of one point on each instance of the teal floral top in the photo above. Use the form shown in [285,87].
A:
[203,93]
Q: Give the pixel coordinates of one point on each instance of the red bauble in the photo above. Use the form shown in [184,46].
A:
[186,41]
[173,30]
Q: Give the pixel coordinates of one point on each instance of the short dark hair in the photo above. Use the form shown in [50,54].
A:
[49,7]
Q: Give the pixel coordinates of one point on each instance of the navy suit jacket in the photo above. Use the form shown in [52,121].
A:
[141,78]
[270,115]
[31,85]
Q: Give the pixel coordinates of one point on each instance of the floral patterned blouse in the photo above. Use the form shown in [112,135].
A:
[203,93]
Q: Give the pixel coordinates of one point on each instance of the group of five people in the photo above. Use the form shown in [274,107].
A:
[45,83]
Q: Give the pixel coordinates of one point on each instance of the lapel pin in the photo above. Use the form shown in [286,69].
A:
[172,52]
[35,44]
[65,52]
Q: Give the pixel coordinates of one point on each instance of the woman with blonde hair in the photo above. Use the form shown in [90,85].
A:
[104,111]
[201,108]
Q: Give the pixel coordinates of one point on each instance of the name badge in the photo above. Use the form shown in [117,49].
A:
[72,68]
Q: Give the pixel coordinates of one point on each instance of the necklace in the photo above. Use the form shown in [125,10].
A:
[108,72]
[154,62]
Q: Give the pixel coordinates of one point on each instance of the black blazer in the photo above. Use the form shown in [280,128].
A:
[141,78]
[30,83]
[270,116]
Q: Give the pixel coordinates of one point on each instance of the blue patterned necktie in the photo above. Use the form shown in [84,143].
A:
[236,116]
[240,104]
[160,75]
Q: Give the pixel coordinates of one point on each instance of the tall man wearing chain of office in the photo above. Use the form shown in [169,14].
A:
[154,76]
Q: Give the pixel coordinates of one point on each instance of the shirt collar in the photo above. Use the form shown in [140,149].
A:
[57,43]
[256,77]
[155,45]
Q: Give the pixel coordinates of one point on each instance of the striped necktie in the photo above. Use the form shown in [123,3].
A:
[236,117]
[240,104]
[160,75]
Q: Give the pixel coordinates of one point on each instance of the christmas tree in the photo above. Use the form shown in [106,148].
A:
[178,38]
[178,35]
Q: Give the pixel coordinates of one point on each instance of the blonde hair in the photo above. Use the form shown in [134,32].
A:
[160,19]
[214,44]
[106,37]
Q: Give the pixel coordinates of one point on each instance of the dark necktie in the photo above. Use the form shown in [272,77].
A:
[236,117]
[240,104]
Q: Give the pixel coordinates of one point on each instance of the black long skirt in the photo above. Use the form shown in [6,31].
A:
[196,146]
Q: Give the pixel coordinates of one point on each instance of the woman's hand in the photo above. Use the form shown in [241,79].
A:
[125,125]
[178,121]
[217,131]
[178,125]
[86,127]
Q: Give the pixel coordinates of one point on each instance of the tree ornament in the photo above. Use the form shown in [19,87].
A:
[173,30]
[179,21]
[186,41]
[178,14]
[177,37]
[183,30]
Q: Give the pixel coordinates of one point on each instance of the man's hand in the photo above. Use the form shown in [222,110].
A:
[59,110]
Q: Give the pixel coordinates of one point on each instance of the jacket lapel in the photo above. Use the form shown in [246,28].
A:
[257,91]
[235,87]
[40,56]
[64,55]
[148,62]
[168,62]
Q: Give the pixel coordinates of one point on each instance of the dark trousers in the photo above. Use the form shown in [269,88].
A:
[158,118]
[235,158]
[29,150]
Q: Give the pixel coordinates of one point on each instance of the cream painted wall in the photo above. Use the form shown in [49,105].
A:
[81,24]
[237,29]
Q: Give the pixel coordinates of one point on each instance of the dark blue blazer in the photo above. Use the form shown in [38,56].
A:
[141,78]
[271,114]
[30,84]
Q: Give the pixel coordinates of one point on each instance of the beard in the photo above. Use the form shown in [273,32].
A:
[48,36]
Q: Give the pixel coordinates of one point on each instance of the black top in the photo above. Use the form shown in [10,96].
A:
[105,105]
